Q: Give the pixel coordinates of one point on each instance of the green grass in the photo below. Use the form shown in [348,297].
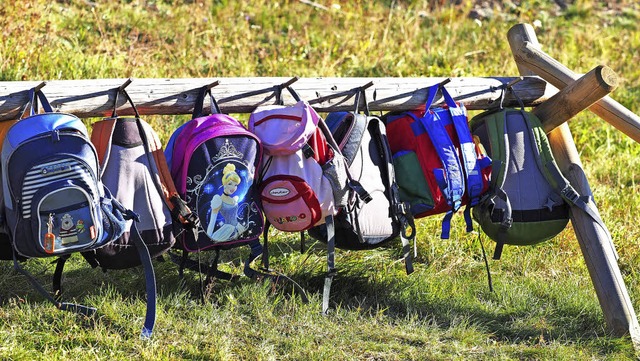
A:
[544,305]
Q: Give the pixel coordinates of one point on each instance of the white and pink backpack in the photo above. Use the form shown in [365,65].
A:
[304,179]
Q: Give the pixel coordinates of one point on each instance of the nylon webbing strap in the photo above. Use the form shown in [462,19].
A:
[150,278]
[64,306]
[331,249]
[57,274]
[469,159]
[34,96]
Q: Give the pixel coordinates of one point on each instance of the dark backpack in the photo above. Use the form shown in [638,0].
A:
[529,198]
[214,160]
[382,217]
[54,202]
[439,166]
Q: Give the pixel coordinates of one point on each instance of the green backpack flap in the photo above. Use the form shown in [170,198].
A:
[529,198]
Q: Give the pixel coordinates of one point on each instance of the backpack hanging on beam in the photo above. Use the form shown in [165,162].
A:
[55,203]
[529,198]
[305,180]
[368,223]
[439,166]
[214,161]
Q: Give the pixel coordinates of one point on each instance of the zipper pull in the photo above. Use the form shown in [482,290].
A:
[55,135]
[49,237]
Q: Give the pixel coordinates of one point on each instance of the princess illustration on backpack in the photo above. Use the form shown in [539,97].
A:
[224,209]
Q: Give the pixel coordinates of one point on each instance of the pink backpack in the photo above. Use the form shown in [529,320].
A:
[304,180]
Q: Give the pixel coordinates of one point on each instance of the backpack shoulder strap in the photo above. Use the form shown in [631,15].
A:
[467,149]
[496,124]
[554,176]
[101,137]
[449,178]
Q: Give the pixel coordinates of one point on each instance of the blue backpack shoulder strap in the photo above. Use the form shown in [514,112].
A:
[469,159]
[450,178]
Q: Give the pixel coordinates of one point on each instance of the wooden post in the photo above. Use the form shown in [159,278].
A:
[530,55]
[576,97]
[595,243]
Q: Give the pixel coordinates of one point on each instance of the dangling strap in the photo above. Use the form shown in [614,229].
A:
[57,274]
[450,179]
[265,250]
[486,262]
[331,270]
[501,169]
[149,275]
[64,306]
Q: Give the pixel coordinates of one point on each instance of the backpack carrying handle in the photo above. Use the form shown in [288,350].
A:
[293,93]
[198,109]
[119,90]
[433,91]
[361,95]
[36,94]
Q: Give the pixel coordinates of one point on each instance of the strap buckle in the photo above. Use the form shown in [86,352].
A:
[570,194]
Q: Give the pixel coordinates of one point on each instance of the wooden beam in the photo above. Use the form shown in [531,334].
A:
[560,76]
[577,97]
[595,243]
[94,98]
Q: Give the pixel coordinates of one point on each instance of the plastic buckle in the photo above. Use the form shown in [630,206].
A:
[307,151]
[570,194]
[506,223]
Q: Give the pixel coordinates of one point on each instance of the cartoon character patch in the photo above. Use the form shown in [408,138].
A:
[226,210]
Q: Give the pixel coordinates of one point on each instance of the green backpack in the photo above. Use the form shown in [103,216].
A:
[529,198]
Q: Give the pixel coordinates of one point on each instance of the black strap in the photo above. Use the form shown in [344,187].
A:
[302,242]
[57,274]
[279,100]
[114,114]
[64,306]
[361,95]
[265,246]
[198,109]
[486,262]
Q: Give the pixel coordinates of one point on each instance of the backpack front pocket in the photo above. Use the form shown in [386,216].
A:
[289,203]
[412,183]
[64,218]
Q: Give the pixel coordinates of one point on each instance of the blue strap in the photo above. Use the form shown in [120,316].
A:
[450,178]
[469,158]
[34,96]
[149,275]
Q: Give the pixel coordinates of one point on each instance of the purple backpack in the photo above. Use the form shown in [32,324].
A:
[213,161]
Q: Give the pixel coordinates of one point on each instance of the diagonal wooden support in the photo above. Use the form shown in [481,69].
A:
[528,53]
[595,243]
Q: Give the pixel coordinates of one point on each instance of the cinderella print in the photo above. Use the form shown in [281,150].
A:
[224,222]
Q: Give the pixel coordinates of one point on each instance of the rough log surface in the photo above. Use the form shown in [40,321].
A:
[154,96]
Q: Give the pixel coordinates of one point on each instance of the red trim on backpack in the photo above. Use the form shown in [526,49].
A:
[295,118]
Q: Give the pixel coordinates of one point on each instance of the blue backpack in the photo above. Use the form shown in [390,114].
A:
[54,202]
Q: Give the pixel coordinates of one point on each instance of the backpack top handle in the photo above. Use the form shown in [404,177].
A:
[198,108]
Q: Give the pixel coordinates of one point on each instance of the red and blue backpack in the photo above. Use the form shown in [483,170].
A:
[439,165]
